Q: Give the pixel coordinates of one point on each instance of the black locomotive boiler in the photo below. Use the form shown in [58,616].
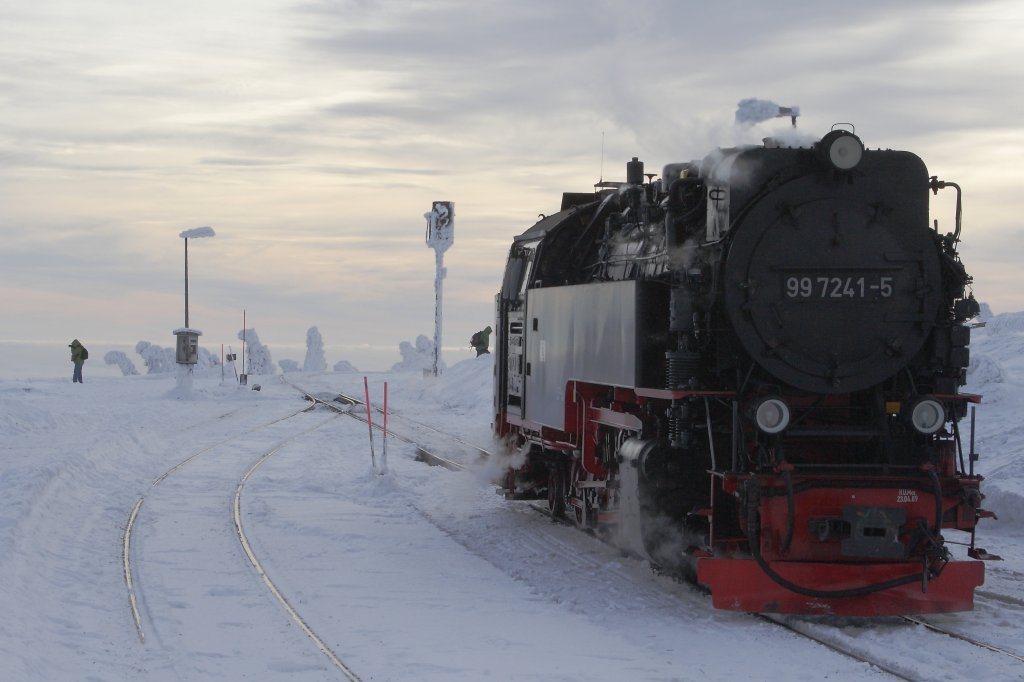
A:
[749,371]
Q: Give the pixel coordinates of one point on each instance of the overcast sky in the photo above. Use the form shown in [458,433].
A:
[312,136]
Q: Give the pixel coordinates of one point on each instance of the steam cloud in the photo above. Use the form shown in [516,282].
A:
[752,111]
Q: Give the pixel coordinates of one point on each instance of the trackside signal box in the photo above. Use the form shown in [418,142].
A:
[188,346]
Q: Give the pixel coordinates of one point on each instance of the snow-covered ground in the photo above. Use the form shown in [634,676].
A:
[421,574]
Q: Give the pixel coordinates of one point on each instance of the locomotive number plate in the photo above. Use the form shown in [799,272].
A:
[819,287]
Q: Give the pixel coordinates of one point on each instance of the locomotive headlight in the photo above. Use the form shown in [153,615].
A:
[771,415]
[842,149]
[927,416]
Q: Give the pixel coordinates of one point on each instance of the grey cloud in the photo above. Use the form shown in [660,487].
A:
[362,171]
[452,32]
[243,162]
[497,105]
[649,68]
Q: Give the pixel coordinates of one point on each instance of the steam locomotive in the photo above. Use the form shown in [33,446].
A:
[749,371]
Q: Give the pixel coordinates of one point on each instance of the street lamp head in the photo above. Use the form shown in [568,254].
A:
[197,232]
[194,233]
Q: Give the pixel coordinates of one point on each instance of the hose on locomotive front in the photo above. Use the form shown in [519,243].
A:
[959,446]
[790,510]
[754,530]
[937,493]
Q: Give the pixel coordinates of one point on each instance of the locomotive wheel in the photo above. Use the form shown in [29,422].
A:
[556,491]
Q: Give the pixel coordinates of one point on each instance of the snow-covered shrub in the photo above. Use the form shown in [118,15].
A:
[344,366]
[160,360]
[119,358]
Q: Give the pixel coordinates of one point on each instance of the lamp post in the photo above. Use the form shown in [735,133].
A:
[194,233]
[188,338]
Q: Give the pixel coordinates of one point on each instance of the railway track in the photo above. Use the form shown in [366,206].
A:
[996,614]
[831,637]
[831,644]
[254,560]
[131,571]
[345,403]
[126,543]
[927,656]
[810,630]
[963,638]
[917,649]
[833,634]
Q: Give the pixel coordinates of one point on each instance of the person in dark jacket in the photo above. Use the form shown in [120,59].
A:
[78,356]
[481,341]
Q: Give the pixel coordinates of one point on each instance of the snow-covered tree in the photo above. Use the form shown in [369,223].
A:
[418,357]
[315,360]
[158,360]
[257,356]
[288,366]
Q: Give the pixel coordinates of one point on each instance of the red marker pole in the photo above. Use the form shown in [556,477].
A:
[384,456]
[369,422]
